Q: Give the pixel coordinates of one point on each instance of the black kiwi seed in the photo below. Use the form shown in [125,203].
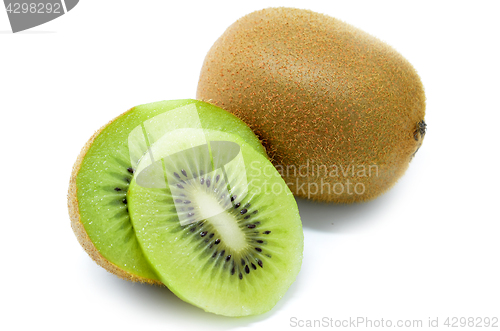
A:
[217,178]
[243,211]
[208,182]
[211,235]
[260,241]
[124,201]
[255,212]
[203,234]
[187,202]
[258,249]
[259,262]
[232,271]
[202,181]
[228,258]
[247,205]
[180,186]
[241,276]
[247,217]
[222,252]
[192,229]
[117,189]
[233,198]
[177,175]
[251,226]
[236,206]
[184,172]
[242,262]
[266,232]
[214,254]
[254,267]
[130,170]
[247,269]
[217,241]
[178,200]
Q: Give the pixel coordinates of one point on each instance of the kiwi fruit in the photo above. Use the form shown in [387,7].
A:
[216,222]
[97,197]
[340,112]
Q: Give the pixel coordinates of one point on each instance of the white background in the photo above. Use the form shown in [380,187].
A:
[428,248]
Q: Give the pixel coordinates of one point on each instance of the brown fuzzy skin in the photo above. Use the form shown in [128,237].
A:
[318,90]
[79,229]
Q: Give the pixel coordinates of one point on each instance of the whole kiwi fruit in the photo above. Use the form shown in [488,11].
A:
[340,112]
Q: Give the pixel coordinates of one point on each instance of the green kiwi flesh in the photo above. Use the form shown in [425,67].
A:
[224,232]
[101,176]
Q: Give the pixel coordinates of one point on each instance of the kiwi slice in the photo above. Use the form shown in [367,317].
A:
[97,200]
[216,222]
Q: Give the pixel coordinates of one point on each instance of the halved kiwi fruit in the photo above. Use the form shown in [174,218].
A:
[341,112]
[102,173]
[216,221]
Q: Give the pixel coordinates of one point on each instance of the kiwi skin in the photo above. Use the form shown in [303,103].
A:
[79,229]
[319,91]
